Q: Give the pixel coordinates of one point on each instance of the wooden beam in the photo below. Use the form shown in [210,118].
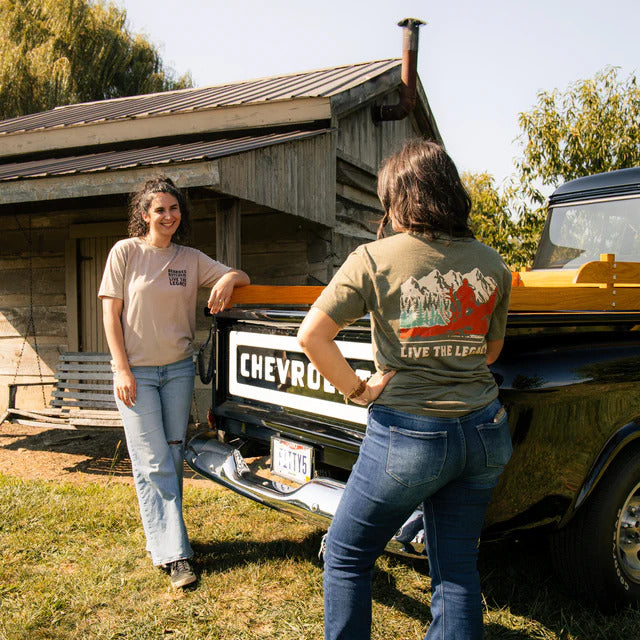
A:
[125,181]
[545,278]
[228,233]
[37,415]
[609,272]
[34,262]
[354,176]
[359,197]
[575,298]
[215,119]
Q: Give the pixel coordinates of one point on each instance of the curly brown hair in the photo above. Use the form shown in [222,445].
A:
[420,189]
[141,200]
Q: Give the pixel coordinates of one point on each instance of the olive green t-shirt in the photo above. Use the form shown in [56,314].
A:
[433,305]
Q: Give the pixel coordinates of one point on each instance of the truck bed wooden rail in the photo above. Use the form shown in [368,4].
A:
[604,285]
[83,395]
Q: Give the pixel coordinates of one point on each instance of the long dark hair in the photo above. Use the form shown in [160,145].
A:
[141,200]
[419,187]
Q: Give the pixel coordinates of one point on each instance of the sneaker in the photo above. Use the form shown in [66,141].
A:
[181,573]
[323,547]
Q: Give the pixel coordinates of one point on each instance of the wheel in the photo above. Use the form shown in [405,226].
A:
[598,553]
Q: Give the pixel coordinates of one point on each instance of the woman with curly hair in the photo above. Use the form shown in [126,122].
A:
[148,293]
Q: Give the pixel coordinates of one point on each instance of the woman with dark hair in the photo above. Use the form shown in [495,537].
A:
[148,293]
[436,434]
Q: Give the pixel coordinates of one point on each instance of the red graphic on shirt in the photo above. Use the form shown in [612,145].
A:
[466,315]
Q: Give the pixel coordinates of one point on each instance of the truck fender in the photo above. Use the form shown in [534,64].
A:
[626,436]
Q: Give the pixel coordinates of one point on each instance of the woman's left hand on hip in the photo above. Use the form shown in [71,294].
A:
[374,387]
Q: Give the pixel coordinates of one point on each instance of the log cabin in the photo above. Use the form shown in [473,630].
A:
[280,173]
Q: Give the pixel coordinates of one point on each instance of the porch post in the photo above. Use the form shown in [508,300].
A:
[228,232]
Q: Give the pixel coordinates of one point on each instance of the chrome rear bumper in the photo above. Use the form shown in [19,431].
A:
[316,500]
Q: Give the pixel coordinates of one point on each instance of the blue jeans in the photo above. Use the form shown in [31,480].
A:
[155,428]
[449,465]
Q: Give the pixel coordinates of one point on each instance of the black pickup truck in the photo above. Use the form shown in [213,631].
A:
[569,376]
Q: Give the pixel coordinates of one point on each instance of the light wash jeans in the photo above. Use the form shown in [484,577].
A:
[155,428]
[449,465]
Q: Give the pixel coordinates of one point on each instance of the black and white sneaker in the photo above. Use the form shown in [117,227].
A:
[181,574]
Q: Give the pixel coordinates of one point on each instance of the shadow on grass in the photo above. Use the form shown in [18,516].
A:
[516,577]
[518,582]
[222,556]
[214,557]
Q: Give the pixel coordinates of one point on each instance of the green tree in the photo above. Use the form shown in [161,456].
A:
[593,126]
[56,52]
[490,218]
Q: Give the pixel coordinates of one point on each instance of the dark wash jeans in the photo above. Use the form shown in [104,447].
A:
[450,465]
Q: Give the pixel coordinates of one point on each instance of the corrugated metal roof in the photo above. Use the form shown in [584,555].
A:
[310,84]
[113,160]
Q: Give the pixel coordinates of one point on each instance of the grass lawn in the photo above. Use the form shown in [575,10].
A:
[73,566]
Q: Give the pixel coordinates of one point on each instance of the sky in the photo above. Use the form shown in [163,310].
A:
[481,62]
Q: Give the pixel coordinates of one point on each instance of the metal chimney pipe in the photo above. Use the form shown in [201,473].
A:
[410,33]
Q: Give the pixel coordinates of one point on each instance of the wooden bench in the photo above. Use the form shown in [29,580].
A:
[82,395]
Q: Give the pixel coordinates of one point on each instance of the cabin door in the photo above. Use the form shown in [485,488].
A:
[92,257]
[87,251]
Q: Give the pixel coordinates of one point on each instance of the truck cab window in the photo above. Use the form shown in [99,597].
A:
[579,233]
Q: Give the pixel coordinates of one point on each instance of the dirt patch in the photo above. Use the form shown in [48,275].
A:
[89,455]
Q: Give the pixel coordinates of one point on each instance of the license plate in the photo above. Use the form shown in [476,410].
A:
[291,460]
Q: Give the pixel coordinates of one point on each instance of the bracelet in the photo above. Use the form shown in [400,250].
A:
[357,391]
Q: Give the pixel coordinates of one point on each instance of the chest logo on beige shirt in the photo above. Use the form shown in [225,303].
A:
[178,277]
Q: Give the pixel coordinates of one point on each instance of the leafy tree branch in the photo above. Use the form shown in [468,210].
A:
[56,52]
[591,127]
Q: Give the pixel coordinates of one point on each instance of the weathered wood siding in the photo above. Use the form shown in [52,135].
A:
[34,288]
[283,249]
[297,178]
[360,138]
[35,270]
[361,148]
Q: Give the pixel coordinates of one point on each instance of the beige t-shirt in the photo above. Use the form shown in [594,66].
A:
[433,305]
[159,288]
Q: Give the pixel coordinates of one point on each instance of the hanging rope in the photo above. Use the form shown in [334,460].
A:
[196,414]
[31,323]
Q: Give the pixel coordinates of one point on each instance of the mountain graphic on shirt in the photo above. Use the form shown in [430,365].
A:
[438,303]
